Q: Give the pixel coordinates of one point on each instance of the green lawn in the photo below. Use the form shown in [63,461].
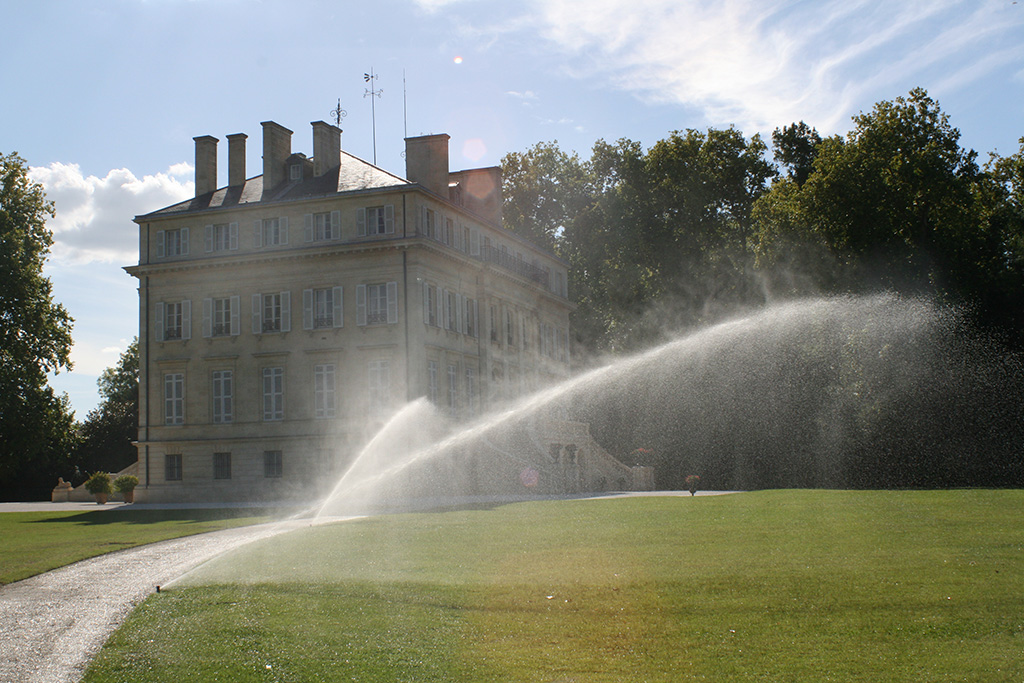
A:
[767,586]
[35,542]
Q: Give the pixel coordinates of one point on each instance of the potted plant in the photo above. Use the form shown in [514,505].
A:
[99,485]
[692,484]
[125,485]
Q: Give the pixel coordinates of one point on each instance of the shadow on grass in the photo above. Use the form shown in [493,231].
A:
[186,516]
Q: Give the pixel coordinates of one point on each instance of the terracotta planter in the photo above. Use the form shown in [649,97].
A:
[129,496]
[101,498]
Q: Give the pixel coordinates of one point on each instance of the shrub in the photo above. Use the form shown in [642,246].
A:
[99,482]
[126,483]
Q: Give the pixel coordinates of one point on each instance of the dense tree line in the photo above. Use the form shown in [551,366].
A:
[39,437]
[702,227]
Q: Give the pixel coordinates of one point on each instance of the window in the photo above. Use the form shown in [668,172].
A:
[273,394]
[429,223]
[470,317]
[271,312]
[465,239]
[173,321]
[172,242]
[272,464]
[271,232]
[471,391]
[509,328]
[174,398]
[432,381]
[323,390]
[222,237]
[322,308]
[453,388]
[222,393]
[451,315]
[377,304]
[172,467]
[379,394]
[375,220]
[429,304]
[448,232]
[295,172]
[220,316]
[494,324]
[221,465]
[326,226]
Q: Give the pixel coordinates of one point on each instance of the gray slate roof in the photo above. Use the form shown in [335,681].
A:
[353,174]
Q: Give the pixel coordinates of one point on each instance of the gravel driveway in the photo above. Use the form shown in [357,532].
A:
[52,624]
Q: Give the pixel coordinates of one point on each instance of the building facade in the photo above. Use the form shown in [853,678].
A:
[285,317]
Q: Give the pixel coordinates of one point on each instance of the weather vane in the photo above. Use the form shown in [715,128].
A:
[371,93]
[338,114]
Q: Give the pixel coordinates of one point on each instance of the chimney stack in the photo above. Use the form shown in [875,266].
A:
[206,164]
[326,147]
[277,147]
[481,191]
[236,159]
[426,162]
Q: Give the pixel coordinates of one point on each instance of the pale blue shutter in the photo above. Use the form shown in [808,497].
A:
[339,307]
[161,242]
[209,238]
[361,222]
[257,233]
[284,229]
[207,318]
[335,225]
[389,219]
[286,311]
[233,236]
[257,314]
[307,308]
[392,303]
[360,304]
[184,241]
[308,220]
[236,308]
[158,324]
[186,319]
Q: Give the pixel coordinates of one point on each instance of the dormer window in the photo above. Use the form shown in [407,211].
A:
[295,172]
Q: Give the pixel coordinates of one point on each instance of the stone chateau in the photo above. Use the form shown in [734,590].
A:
[285,317]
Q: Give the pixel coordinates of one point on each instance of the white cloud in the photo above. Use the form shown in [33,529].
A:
[93,219]
[761,64]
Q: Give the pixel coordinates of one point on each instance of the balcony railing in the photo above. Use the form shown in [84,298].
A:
[516,265]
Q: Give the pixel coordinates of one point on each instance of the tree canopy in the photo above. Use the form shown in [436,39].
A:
[109,430]
[702,225]
[35,338]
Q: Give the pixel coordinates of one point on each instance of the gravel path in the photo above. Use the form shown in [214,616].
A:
[53,624]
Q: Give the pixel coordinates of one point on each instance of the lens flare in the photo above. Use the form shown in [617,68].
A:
[457,60]
[474,149]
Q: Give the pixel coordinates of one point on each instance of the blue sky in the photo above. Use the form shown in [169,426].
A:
[103,98]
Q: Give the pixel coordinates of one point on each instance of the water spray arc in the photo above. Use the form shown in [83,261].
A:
[823,393]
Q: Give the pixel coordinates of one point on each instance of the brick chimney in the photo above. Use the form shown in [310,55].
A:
[326,147]
[236,159]
[206,164]
[277,147]
[426,162]
[481,191]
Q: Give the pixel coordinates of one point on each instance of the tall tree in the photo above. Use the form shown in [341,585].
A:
[35,338]
[110,429]
[796,146]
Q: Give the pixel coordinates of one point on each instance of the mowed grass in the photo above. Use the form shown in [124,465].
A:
[36,542]
[766,586]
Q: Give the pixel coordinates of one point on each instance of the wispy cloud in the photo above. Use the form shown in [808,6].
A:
[761,64]
[93,215]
